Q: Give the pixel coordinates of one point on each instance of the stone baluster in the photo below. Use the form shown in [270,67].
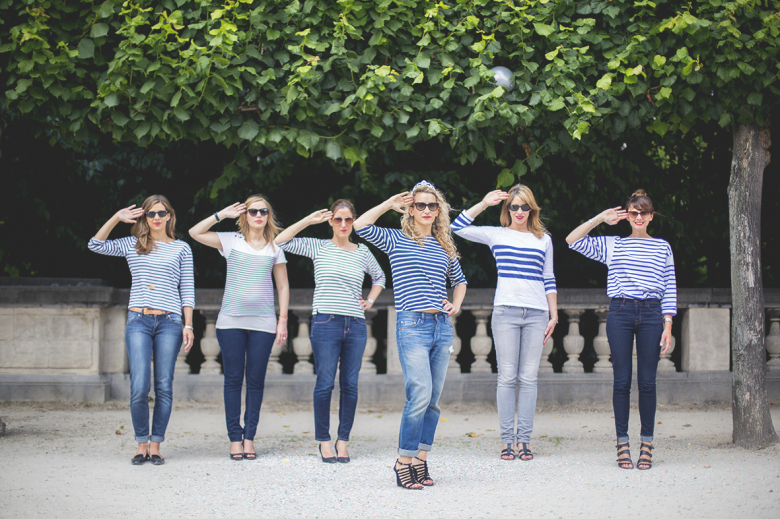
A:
[573,343]
[453,366]
[601,344]
[666,364]
[544,364]
[368,366]
[302,345]
[481,344]
[209,345]
[773,340]
[274,366]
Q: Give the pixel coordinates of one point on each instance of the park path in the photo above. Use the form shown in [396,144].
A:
[67,461]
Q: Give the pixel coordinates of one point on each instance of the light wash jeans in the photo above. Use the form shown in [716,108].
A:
[424,342]
[518,334]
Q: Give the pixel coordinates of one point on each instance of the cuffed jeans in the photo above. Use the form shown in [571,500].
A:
[335,337]
[145,335]
[424,345]
[518,334]
[628,318]
[244,351]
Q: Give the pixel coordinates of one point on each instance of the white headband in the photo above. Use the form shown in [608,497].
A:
[422,183]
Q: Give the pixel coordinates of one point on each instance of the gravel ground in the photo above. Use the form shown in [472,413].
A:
[73,461]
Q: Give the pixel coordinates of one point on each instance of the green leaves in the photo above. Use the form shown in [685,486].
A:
[86,48]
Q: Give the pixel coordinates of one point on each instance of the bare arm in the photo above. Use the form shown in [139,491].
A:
[610,217]
[492,198]
[397,203]
[552,302]
[200,232]
[127,215]
[323,215]
[283,291]
[187,335]
[458,294]
[372,295]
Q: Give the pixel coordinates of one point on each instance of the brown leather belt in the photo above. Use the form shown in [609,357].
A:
[148,311]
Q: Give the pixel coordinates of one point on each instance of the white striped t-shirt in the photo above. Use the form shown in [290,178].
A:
[639,268]
[248,301]
[524,263]
[162,280]
[419,273]
[338,274]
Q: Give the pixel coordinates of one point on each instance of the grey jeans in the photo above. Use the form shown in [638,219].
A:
[518,333]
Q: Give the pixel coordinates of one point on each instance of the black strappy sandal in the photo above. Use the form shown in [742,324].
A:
[421,473]
[644,450]
[250,455]
[404,476]
[525,451]
[509,451]
[622,448]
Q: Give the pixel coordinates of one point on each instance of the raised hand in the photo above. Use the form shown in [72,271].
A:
[495,197]
[401,202]
[233,211]
[129,214]
[614,215]
[323,215]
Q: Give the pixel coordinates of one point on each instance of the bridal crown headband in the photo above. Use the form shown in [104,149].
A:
[422,183]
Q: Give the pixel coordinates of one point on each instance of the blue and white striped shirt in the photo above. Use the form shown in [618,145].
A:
[419,273]
[639,268]
[163,279]
[524,263]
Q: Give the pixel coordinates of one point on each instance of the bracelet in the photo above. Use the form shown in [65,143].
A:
[216,215]
[188,327]
[483,204]
[554,319]
[282,316]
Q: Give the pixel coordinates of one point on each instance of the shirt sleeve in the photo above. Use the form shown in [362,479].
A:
[595,248]
[187,282]
[463,228]
[227,239]
[279,256]
[549,275]
[669,301]
[384,239]
[455,274]
[374,270]
[308,247]
[111,247]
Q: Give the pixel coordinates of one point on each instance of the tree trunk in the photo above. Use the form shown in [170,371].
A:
[753,427]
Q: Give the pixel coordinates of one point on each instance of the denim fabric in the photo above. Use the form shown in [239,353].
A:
[244,351]
[518,333]
[335,337]
[628,318]
[145,335]
[424,343]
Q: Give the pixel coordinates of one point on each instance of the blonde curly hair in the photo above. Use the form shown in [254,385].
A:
[440,229]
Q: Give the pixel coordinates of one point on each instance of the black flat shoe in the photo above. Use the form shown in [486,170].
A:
[140,459]
[157,460]
[332,459]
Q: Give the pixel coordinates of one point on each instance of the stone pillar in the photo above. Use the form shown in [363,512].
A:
[368,366]
[573,343]
[706,339]
[113,353]
[666,364]
[393,362]
[274,366]
[601,344]
[481,344]
[773,339]
[302,345]
[209,345]
[453,366]
[181,366]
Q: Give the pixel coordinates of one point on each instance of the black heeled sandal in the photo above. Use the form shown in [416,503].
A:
[525,451]
[332,459]
[405,477]
[421,473]
[624,463]
[509,451]
[644,450]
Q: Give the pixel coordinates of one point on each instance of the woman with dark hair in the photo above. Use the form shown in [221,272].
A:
[642,285]
[247,324]
[338,325]
[163,289]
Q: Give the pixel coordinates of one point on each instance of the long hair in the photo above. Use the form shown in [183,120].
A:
[440,229]
[535,224]
[271,225]
[141,230]
[343,203]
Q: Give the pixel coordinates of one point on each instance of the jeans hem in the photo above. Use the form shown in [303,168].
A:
[523,440]
[157,439]
[240,439]
[622,439]
[325,440]
[408,453]
[425,447]
[646,438]
[142,439]
[342,439]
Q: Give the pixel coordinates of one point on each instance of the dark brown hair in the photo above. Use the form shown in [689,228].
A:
[141,230]
[343,203]
[640,201]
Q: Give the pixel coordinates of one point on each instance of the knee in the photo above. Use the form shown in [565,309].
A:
[506,377]
[528,381]
[647,386]
[324,384]
[419,398]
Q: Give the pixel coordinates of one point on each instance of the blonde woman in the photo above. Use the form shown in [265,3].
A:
[163,289]
[422,258]
[247,324]
[525,307]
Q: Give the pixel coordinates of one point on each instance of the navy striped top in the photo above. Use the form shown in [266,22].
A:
[419,273]
[163,279]
[639,268]
[524,263]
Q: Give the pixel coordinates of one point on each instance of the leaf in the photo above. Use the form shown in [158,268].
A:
[106,9]
[248,130]
[142,129]
[755,99]
[111,100]
[99,30]
[659,127]
[181,114]
[659,60]
[556,104]
[86,48]
[308,139]
[333,149]
[148,86]
[605,82]
[423,60]
[505,178]
[119,118]
[544,29]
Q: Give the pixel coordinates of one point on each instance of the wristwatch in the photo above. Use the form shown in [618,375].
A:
[370,300]
[667,319]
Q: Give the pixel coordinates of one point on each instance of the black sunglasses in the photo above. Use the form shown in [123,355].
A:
[253,212]
[348,220]
[515,207]
[421,206]
[161,214]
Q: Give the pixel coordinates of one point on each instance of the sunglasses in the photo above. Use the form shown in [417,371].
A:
[635,214]
[152,214]
[421,206]
[254,212]
[348,220]
[515,207]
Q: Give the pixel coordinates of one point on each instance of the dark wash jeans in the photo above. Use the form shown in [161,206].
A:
[244,351]
[628,318]
[335,337]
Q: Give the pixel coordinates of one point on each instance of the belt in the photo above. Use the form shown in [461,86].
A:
[148,311]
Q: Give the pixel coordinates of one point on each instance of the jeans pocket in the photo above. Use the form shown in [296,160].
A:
[321,318]
[133,317]
[615,307]
[409,323]
[654,306]
[174,318]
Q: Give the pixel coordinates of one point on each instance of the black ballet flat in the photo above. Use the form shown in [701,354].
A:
[157,460]
[140,459]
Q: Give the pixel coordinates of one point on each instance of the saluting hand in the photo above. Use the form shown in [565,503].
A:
[495,197]
[129,214]
[233,211]
[614,215]
[323,215]
[401,202]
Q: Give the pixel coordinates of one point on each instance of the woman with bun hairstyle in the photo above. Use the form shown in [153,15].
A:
[247,325]
[338,325]
[163,288]
[642,285]
[422,257]
[525,307]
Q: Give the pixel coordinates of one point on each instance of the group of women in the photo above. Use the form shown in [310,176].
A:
[423,258]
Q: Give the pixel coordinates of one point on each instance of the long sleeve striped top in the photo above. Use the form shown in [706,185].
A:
[524,263]
[163,279]
[639,268]
[419,273]
[338,274]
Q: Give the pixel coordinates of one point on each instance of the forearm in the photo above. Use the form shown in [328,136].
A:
[374,293]
[203,226]
[290,232]
[283,291]
[371,216]
[458,294]
[187,311]
[552,302]
[475,210]
[104,231]
[583,230]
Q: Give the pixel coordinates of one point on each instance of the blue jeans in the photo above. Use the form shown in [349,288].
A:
[145,335]
[424,343]
[628,318]
[334,337]
[519,334]
[244,350]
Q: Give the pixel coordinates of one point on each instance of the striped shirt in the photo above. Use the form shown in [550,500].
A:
[248,301]
[163,279]
[419,273]
[524,263]
[338,274]
[639,268]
